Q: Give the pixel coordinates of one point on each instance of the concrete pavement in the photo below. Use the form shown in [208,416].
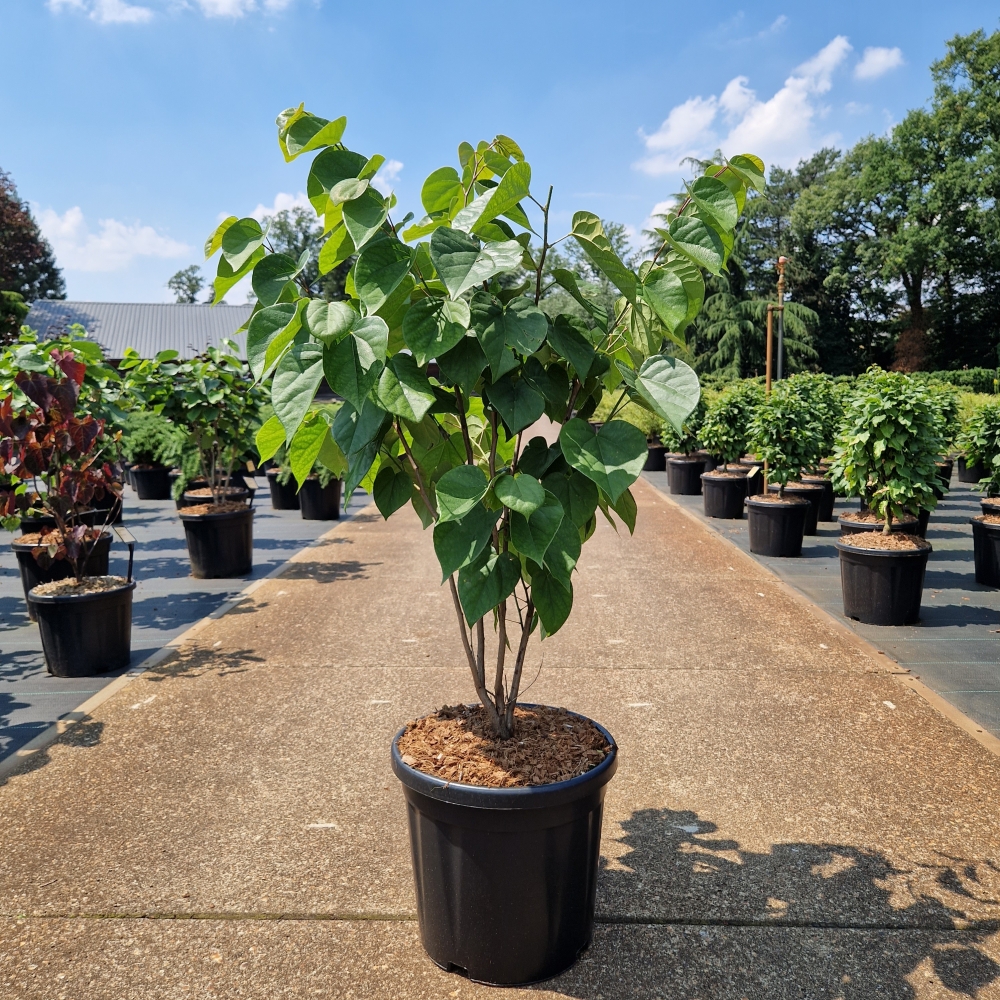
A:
[788,819]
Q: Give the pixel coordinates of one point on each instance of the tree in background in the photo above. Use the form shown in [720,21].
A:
[293,231]
[13,311]
[186,284]
[27,265]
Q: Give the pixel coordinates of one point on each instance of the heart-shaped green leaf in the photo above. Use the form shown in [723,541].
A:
[482,587]
[520,492]
[563,552]
[525,326]
[359,435]
[670,387]
[459,490]
[404,390]
[391,490]
[328,322]
[715,199]
[458,543]
[364,216]
[515,401]
[462,264]
[273,325]
[697,240]
[432,327]
[270,276]
[269,438]
[553,601]
[532,535]
[296,380]
[379,269]
[463,364]
[240,241]
[612,458]
[347,190]
[440,189]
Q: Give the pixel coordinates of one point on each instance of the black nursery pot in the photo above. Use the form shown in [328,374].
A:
[656,458]
[986,551]
[85,634]
[220,545]
[32,573]
[945,468]
[320,503]
[151,482]
[911,526]
[109,502]
[970,473]
[825,512]
[882,586]
[776,529]
[282,497]
[723,495]
[684,475]
[812,493]
[505,877]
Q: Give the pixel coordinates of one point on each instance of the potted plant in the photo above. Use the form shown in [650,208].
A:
[280,481]
[784,435]
[984,428]
[219,404]
[820,395]
[84,615]
[725,433]
[152,446]
[971,442]
[684,462]
[505,867]
[887,451]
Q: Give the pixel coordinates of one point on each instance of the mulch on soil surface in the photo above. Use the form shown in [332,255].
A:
[988,518]
[868,517]
[215,508]
[898,540]
[90,585]
[775,498]
[206,491]
[548,745]
[50,538]
[728,474]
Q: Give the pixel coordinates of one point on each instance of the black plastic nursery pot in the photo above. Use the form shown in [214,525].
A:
[825,512]
[192,497]
[910,526]
[684,475]
[220,545]
[723,495]
[32,574]
[882,586]
[711,462]
[970,473]
[109,508]
[505,877]
[755,479]
[151,482]
[924,517]
[656,458]
[986,551]
[320,503]
[776,527]
[945,468]
[85,634]
[282,497]
[811,492]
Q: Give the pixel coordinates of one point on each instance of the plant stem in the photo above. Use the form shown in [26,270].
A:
[470,458]
[493,443]
[572,399]
[515,683]
[481,653]
[498,692]
[484,697]
[545,246]
[416,471]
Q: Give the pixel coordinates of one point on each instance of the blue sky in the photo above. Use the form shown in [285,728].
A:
[132,125]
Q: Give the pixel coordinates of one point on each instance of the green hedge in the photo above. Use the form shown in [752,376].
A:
[972,379]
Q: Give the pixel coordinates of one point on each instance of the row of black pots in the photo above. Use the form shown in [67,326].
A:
[317,503]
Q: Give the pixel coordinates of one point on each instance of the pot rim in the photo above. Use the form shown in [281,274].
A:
[530,797]
[17,546]
[978,519]
[686,460]
[843,546]
[878,524]
[77,598]
[734,476]
[221,515]
[788,501]
[772,487]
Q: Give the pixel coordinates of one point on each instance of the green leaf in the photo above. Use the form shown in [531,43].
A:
[214,242]
[626,509]
[514,185]
[461,263]
[332,457]
[240,241]
[463,364]
[269,438]
[551,382]
[359,435]
[525,325]
[569,343]
[458,543]
[459,490]
[328,169]
[715,199]
[612,458]
[328,322]
[552,600]
[751,168]
[296,381]
[481,588]
[664,290]
[589,233]
[345,374]
[670,387]
[576,493]
[364,216]
[372,334]
[515,401]
[432,327]
[487,320]
[532,535]
[699,241]
[305,447]
[347,190]
[227,276]
[568,280]
[265,329]
[310,132]
[270,276]
[440,189]
[391,491]
[336,249]
[379,270]
[372,166]
[520,492]
[404,390]
[563,552]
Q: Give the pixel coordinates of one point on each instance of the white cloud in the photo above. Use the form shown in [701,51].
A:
[106,11]
[113,248]
[877,61]
[237,8]
[779,130]
[283,202]
[388,173]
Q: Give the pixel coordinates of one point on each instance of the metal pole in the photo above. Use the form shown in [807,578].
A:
[767,370]
[781,315]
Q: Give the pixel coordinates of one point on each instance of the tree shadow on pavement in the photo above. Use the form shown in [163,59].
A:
[682,914]
[323,572]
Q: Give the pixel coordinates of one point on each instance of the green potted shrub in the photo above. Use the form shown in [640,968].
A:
[820,395]
[152,446]
[947,403]
[84,615]
[685,461]
[973,462]
[505,867]
[725,434]
[887,451]
[219,405]
[280,481]
[982,431]
[784,435]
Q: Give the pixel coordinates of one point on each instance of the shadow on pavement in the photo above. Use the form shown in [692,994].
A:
[348,569]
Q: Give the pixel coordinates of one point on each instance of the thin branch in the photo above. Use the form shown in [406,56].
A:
[545,244]
[498,688]
[481,653]
[493,443]
[465,427]
[515,683]
[416,471]
[484,697]
[572,399]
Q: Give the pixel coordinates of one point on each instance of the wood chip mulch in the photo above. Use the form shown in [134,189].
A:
[898,540]
[989,519]
[214,508]
[868,517]
[50,537]
[89,585]
[548,745]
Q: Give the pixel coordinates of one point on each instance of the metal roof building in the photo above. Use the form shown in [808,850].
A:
[149,327]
